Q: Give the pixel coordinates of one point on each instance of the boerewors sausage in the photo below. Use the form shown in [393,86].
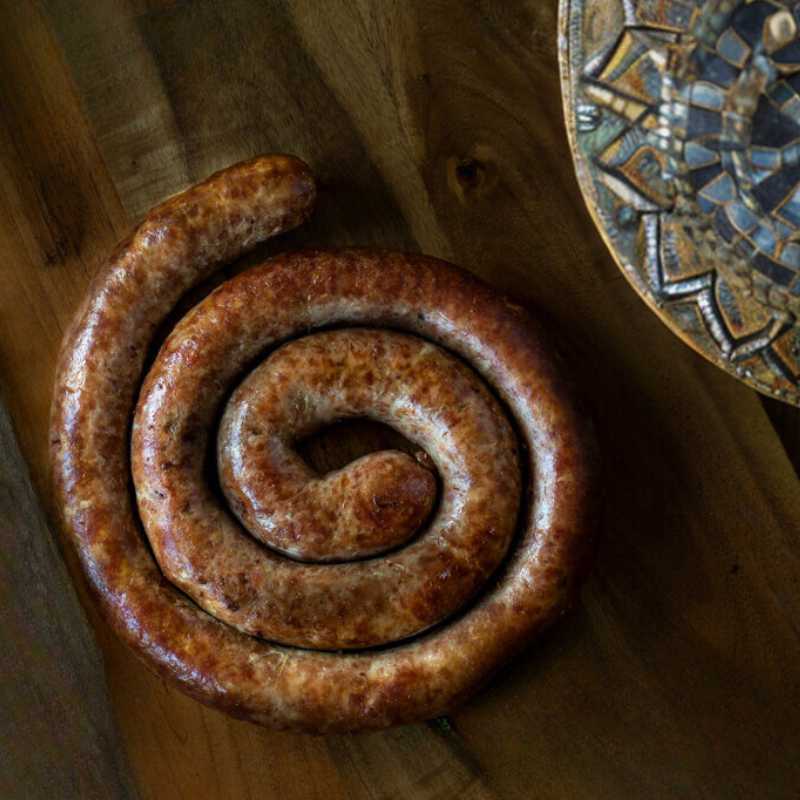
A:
[384,592]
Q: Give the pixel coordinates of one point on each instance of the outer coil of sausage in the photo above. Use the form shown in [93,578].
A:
[100,374]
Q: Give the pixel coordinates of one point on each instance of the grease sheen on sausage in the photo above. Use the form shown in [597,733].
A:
[426,394]
[201,622]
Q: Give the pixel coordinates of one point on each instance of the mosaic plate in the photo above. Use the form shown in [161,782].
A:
[684,119]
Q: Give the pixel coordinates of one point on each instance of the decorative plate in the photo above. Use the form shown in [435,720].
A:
[684,120]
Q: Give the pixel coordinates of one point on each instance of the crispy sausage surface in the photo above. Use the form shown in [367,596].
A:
[399,379]
[472,574]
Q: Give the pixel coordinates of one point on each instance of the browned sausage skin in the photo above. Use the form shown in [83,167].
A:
[424,392]
[408,312]
[370,506]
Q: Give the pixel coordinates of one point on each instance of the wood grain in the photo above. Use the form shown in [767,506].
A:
[434,126]
[57,736]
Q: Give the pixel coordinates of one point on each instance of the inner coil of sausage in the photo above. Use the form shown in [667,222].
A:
[252,592]
[398,379]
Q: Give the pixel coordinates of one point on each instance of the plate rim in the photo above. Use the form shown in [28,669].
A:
[590,199]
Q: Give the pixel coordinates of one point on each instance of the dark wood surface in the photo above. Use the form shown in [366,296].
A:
[57,736]
[434,126]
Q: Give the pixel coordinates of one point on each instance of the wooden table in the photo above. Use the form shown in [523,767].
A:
[435,126]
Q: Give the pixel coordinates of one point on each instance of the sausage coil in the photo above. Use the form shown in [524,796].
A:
[383,592]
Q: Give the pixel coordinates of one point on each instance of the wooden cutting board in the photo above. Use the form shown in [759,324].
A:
[433,125]
[57,737]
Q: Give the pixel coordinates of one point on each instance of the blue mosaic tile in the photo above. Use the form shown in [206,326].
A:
[788,55]
[723,225]
[748,21]
[702,122]
[765,158]
[771,128]
[741,217]
[703,176]
[774,190]
[781,93]
[698,156]
[790,210]
[733,48]
[765,240]
[790,256]
[772,270]
[708,95]
[721,190]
